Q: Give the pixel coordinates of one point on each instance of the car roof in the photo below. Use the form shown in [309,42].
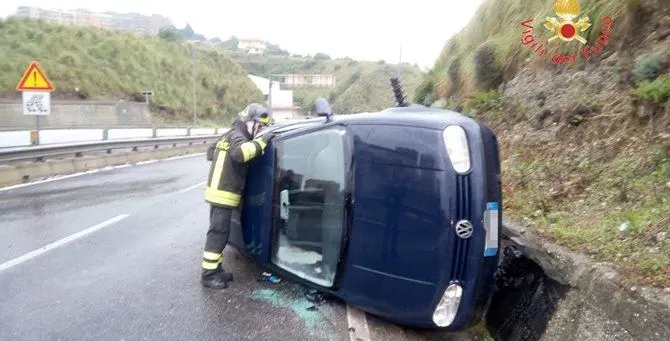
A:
[408,116]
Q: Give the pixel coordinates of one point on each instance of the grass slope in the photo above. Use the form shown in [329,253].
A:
[95,64]
[361,85]
[497,25]
[586,147]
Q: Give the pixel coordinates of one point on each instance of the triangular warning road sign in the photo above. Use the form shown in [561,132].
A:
[34,79]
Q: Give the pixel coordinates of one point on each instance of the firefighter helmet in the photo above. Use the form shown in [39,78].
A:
[256,113]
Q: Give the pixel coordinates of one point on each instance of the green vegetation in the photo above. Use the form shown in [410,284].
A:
[361,85]
[488,50]
[93,64]
[490,103]
[614,207]
[596,181]
[174,34]
[647,68]
[657,91]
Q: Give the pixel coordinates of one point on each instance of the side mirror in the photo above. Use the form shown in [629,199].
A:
[284,204]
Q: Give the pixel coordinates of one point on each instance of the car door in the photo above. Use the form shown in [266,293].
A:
[309,202]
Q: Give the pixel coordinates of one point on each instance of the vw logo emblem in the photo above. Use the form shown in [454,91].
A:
[464,229]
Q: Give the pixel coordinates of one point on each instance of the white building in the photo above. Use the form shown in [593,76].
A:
[252,46]
[304,80]
[283,107]
[135,22]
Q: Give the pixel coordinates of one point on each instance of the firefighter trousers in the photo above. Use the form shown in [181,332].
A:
[217,237]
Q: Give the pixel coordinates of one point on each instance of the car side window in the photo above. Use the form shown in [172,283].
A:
[309,204]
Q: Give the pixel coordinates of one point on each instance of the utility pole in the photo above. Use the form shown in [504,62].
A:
[400,63]
[270,95]
[195,115]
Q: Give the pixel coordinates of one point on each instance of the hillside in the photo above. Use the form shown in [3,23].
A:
[361,85]
[93,64]
[585,146]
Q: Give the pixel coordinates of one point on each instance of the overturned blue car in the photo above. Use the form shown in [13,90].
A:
[395,212]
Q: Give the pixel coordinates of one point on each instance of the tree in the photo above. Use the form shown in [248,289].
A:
[321,56]
[188,33]
[231,44]
[170,33]
[275,50]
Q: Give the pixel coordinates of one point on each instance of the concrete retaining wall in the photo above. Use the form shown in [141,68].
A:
[77,114]
[599,305]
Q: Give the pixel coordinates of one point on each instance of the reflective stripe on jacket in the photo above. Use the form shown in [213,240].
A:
[228,171]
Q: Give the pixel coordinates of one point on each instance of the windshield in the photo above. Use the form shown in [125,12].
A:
[310,199]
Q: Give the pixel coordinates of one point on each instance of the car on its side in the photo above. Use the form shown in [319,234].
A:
[396,212]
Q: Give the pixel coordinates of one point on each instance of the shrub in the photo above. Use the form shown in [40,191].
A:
[453,72]
[647,68]
[489,102]
[487,71]
[424,92]
[321,56]
[657,91]
[68,59]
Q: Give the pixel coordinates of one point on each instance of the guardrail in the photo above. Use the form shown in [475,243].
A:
[23,138]
[39,153]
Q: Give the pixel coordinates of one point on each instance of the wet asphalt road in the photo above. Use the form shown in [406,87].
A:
[137,278]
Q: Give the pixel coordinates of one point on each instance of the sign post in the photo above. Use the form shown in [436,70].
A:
[36,89]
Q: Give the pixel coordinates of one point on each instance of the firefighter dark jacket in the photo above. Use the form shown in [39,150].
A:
[228,171]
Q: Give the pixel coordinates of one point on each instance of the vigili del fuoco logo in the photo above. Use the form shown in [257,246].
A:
[568,27]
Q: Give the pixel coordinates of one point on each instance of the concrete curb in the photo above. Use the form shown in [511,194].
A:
[31,171]
[599,306]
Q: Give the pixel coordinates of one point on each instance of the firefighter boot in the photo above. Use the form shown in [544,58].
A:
[215,279]
[227,276]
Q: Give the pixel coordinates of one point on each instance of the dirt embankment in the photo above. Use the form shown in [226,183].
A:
[585,165]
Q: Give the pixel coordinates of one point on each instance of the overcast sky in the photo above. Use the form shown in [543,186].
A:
[361,29]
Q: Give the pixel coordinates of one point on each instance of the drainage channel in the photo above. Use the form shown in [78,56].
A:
[524,300]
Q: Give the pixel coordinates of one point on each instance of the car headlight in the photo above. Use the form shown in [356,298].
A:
[457,148]
[446,310]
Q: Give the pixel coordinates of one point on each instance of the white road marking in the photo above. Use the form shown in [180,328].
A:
[146,162]
[358,325]
[192,187]
[183,156]
[92,171]
[61,242]
[62,177]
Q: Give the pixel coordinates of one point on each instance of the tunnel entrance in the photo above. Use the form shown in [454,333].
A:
[524,299]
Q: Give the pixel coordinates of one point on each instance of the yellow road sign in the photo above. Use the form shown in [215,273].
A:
[34,79]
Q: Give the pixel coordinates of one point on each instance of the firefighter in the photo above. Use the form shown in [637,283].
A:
[225,186]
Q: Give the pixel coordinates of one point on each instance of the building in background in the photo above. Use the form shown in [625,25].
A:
[283,107]
[252,46]
[135,22]
[304,80]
